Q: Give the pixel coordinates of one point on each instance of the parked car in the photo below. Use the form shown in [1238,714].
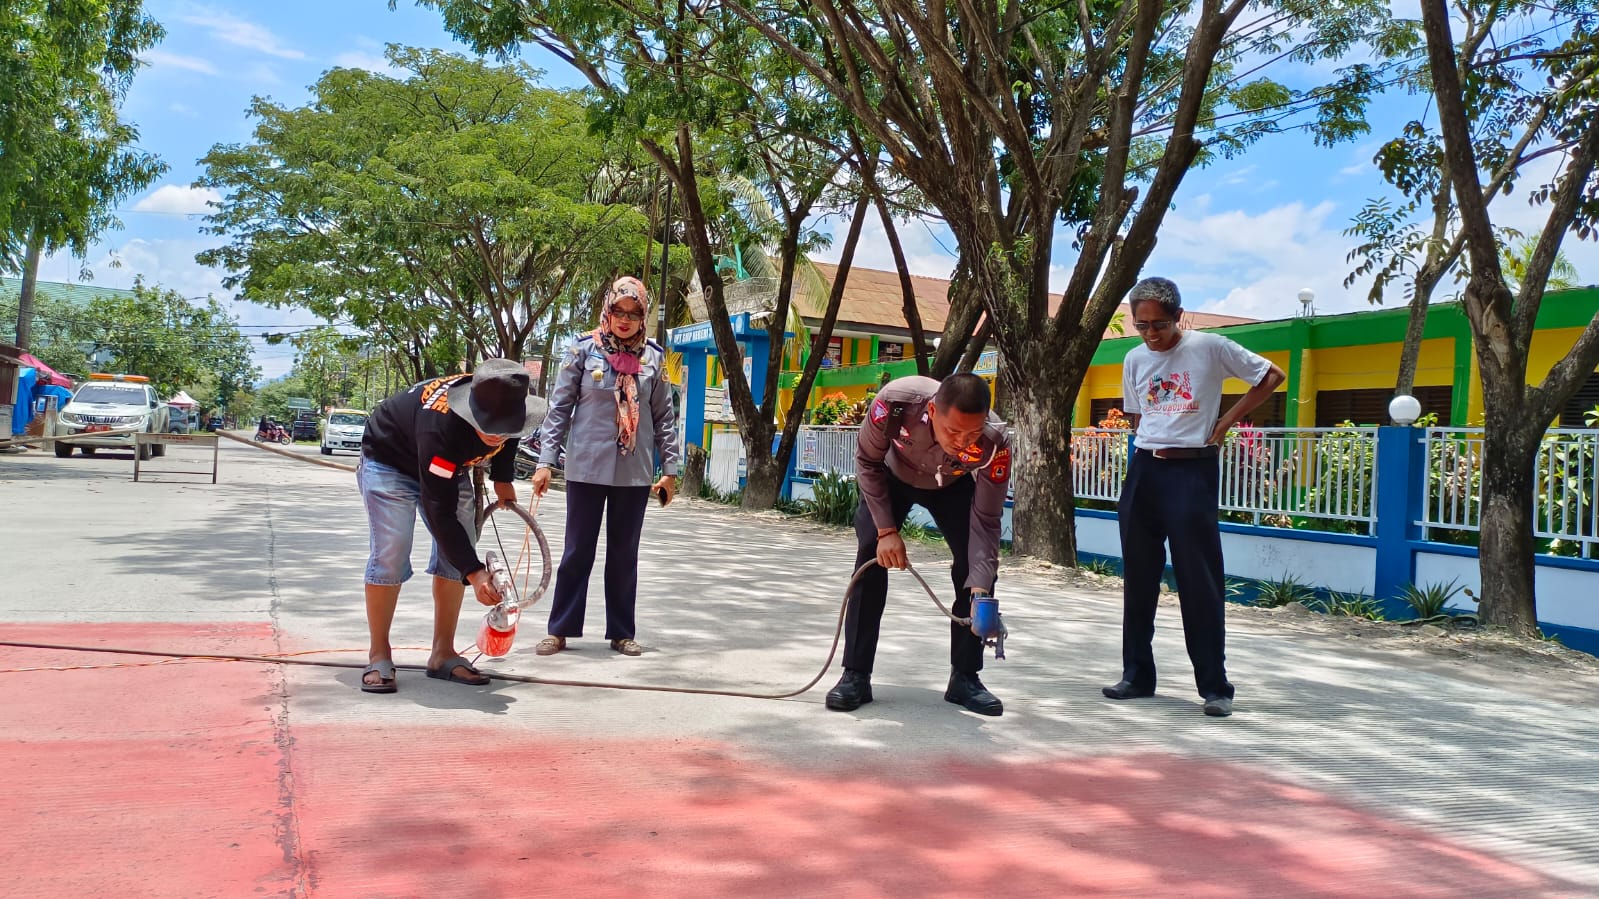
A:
[117,406]
[343,430]
[304,426]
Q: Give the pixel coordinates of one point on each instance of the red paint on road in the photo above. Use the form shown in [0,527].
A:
[143,779]
[480,812]
[183,779]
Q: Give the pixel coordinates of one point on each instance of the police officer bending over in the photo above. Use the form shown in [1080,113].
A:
[938,446]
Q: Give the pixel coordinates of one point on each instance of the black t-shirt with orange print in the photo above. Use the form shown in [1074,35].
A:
[415,432]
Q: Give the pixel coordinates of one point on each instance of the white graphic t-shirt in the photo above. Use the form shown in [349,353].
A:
[1177,394]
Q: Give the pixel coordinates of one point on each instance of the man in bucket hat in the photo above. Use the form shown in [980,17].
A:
[417,453]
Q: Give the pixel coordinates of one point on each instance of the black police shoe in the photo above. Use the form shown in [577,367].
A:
[966,690]
[853,691]
[1219,706]
[1126,690]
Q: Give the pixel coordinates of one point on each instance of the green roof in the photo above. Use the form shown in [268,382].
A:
[76,294]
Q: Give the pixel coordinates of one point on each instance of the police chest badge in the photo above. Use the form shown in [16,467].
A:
[999,469]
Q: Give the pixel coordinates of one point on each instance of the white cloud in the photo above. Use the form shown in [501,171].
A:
[928,245]
[372,62]
[183,109]
[169,264]
[163,59]
[230,29]
[178,199]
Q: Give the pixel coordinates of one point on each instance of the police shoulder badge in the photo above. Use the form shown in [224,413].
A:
[999,469]
[879,412]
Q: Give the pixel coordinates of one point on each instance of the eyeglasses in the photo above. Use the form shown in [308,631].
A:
[628,316]
[1161,325]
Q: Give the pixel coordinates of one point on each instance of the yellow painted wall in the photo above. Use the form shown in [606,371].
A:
[1376,366]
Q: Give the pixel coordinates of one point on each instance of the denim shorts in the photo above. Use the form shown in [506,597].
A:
[391,497]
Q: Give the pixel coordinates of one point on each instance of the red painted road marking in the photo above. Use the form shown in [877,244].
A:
[180,779]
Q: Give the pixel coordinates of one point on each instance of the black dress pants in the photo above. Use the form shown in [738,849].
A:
[1173,501]
[951,508]
[623,511]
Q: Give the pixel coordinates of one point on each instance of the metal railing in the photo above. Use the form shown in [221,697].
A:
[1271,475]
[1565,486]
[1278,474]
[825,448]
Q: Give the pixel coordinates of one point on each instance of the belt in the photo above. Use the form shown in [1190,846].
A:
[1184,452]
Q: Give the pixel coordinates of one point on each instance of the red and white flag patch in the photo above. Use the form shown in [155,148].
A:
[999,469]
[441,467]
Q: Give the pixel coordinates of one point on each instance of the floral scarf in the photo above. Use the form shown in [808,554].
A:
[625,358]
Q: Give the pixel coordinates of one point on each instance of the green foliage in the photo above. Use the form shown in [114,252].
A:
[1429,601]
[833,499]
[66,157]
[1350,605]
[457,211]
[912,532]
[1271,594]
[1103,567]
[1591,417]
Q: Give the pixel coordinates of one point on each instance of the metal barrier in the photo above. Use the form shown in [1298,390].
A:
[142,440]
[1278,474]
[827,448]
[1565,485]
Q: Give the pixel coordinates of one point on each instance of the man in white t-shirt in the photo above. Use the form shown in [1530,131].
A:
[1171,387]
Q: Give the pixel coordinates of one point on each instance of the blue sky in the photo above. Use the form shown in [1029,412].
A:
[1244,235]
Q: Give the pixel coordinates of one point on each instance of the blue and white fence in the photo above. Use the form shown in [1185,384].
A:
[1357,510]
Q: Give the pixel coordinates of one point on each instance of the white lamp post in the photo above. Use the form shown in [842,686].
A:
[1404,410]
[1307,299]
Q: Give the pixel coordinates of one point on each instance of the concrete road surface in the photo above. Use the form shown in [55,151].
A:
[1347,770]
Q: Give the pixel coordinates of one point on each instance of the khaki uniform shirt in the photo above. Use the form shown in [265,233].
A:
[914,457]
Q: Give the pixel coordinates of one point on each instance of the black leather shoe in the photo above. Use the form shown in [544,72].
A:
[1219,707]
[1126,690]
[853,691]
[966,690]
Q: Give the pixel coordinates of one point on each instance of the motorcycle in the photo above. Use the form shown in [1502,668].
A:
[527,457]
[273,433]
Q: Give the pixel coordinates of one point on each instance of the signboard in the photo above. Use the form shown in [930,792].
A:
[299,403]
[987,364]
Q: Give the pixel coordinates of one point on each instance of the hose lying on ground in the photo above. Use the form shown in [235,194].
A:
[518,678]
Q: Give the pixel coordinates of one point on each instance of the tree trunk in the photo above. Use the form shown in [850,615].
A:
[30,285]
[1411,351]
[913,315]
[1042,522]
[965,310]
[1510,443]
[763,480]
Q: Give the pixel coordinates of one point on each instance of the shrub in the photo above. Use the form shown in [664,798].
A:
[1429,601]
[1351,605]
[833,499]
[1278,593]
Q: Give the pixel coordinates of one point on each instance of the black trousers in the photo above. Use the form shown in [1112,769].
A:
[1173,500]
[951,508]
[623,511]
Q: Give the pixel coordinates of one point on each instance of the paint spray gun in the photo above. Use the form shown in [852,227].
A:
[987,623]
[499,623]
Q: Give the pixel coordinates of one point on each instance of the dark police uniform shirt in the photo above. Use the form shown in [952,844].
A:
[914,457]
[415,432]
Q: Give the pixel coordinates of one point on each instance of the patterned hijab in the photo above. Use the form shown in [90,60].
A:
[625,356]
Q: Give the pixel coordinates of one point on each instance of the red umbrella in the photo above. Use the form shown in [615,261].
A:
[47,375]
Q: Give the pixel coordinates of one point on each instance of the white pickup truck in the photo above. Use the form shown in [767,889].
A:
[115,406]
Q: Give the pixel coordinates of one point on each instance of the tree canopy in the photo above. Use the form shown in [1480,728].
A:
[462,199]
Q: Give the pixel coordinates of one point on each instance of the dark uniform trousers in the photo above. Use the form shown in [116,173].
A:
[623,510]
[1173,500]
[951,508]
